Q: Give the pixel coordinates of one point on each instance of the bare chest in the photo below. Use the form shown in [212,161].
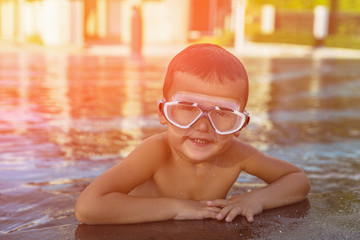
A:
[196,184]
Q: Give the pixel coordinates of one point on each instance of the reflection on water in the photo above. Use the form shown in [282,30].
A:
[312,108]
[64,119]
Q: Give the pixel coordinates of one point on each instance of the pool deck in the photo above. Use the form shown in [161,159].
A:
[250,49]
[321,216]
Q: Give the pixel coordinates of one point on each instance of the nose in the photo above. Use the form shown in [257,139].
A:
[203,124]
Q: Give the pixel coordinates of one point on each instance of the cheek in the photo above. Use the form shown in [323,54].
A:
[224,140]
[175,133]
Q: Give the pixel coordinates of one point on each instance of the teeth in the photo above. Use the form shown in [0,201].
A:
[199,141]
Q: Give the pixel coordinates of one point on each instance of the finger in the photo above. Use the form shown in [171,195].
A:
[214,209]
[224,212]
[208,213]
[249,216]
[218,203]
[233,213]
[213,215]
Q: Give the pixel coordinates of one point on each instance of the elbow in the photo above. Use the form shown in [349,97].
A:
[304,187]
[81,212]
[84,213]
[307,186]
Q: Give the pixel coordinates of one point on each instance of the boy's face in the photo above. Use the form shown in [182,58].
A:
[200,142]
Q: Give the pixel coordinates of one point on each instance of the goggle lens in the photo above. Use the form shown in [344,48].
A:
[182,114]
[225,121]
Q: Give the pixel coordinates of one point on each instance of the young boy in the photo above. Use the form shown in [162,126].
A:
[187,171]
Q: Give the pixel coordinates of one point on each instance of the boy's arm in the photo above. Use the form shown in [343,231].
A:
[106,199]
[287,184]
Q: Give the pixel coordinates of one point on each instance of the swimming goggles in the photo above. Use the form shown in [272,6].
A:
[184,114]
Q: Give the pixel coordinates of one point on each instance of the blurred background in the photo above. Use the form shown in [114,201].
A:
[331,23]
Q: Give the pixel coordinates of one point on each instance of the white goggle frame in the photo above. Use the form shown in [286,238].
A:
[163,106]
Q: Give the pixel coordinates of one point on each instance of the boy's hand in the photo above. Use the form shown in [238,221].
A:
[240,205]
[189,209]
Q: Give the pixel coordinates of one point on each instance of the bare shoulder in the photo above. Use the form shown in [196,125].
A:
[139,166]
[249,156]
[243,151]
[156,144]
[257,163]
[153,150]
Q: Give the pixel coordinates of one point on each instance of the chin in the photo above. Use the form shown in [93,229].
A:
[200,153]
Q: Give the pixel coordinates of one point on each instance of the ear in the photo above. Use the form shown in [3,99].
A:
[236,134]
[162,119]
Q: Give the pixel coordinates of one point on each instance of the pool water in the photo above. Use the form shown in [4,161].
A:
[65,118]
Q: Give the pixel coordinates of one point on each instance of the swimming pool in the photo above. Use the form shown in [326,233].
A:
[65,118]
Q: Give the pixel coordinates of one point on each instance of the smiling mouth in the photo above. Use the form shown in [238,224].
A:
[200,141]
